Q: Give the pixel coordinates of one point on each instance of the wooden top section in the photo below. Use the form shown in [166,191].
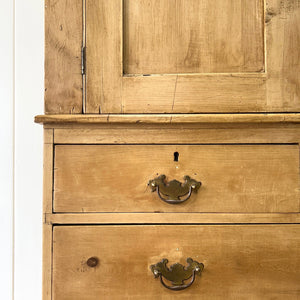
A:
[169,118]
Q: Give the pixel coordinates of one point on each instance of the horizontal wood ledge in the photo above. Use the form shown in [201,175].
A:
[171,218]
[169,118]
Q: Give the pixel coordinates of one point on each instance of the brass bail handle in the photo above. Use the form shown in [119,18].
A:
[171,192]
[177,273]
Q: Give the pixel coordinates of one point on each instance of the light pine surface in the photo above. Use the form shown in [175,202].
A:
[48,170]
[225,67]
[171,218]
[194,93]
[240,261]
[205,57]
[47,209]
[189,132]
[47,261]
[283,54]
[274,87]
[103,56]
[233,56]
[175,133]
[235,178]
[63,42]
[192,36]
[168,118]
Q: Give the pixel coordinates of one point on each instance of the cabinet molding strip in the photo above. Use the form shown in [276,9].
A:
[171,218]
[170,118]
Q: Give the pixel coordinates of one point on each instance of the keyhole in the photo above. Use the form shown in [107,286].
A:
[176,155]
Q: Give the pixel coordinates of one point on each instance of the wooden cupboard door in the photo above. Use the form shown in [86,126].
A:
[240,261]
[191,56]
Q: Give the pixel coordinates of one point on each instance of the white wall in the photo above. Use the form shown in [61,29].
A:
[6,147]
[29,61]
[21,94]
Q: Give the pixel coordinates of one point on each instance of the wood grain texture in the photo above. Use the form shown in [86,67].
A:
[275,89]
[172,218]
[194,93]
[191,36]
[283,54]
[235,178]
[47,262]
[48,170]
[63,42]
[168,118]
[240,261]
[175,134]
[47,209]
[104,56]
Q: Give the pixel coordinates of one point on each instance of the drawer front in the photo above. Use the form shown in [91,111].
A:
[235,178]
[240,261]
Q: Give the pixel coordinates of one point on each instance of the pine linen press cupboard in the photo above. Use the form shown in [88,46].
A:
[171,149]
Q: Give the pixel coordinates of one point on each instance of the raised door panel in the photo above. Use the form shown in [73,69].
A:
[192,36]
[190,56]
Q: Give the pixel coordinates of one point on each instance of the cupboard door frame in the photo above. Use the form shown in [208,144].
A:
[63,42]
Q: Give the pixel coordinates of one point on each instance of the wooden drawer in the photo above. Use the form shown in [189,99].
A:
[240,261]
[235,178]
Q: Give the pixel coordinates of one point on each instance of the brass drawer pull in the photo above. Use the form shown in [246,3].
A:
[174,189]
[177,273]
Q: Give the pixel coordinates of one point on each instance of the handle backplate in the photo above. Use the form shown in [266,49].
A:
[173,191]
[177,274]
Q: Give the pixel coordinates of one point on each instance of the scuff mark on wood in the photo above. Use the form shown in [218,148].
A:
[270,13]
[174,93]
